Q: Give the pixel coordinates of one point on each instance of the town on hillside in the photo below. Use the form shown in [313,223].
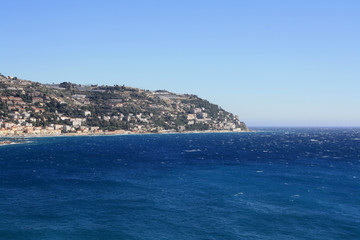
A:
[32,108]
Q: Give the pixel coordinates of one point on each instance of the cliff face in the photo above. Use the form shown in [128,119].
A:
[72,107]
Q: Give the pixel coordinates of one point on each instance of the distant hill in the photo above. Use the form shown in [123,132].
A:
[70,107]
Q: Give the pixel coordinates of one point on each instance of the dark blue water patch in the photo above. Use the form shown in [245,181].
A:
[273,184]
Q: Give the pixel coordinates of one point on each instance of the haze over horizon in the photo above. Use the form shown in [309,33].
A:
[275,63]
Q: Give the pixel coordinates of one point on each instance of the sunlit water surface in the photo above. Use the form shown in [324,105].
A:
[272,184]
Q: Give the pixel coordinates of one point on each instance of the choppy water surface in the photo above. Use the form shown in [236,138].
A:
[274,184]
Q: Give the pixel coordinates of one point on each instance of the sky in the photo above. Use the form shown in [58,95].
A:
[273,63]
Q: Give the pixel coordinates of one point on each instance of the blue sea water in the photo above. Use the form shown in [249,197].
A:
[272,184]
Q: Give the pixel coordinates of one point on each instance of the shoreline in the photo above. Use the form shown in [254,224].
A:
[8,140]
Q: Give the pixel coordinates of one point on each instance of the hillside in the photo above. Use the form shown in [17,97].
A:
[35,108]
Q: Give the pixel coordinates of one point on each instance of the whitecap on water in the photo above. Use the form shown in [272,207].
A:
[193,150]
[239,193]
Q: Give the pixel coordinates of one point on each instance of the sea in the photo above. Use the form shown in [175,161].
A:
[274,183]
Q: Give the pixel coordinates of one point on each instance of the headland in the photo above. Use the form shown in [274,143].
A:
[29,108]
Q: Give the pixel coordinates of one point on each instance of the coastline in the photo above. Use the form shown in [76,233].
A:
[8,139]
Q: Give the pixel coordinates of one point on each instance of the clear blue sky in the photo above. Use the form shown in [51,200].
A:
[273,63]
